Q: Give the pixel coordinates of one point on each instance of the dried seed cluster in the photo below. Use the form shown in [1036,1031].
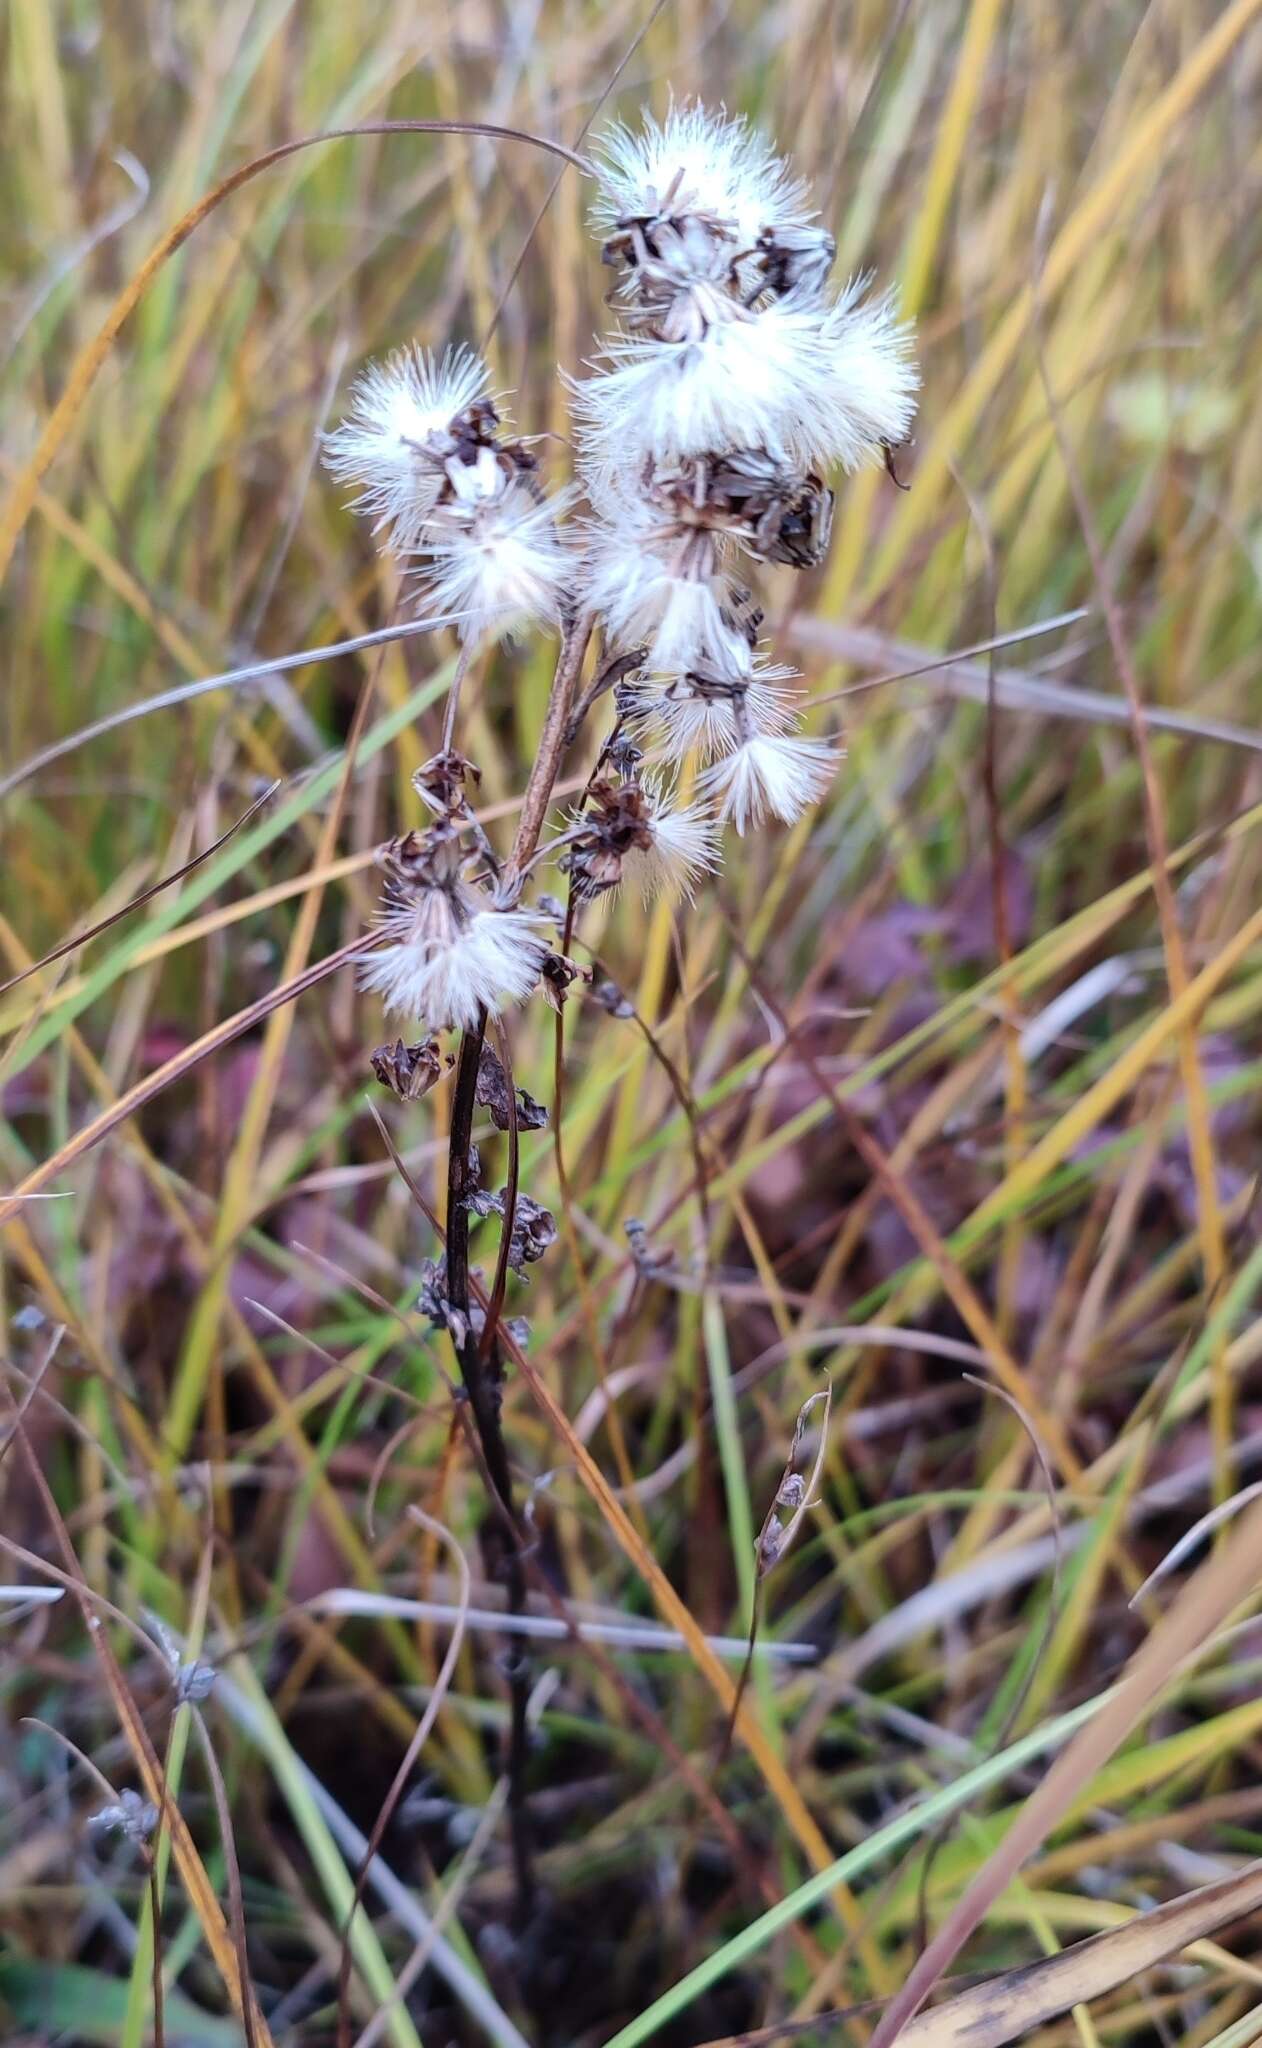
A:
[735,383]
[704,437]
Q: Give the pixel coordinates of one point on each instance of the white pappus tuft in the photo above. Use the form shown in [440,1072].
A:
[683,846]
[778,773]
[449,952]
[492,960]
[497,559]
[423,442]
[709,710]
[628,829]
[656,581]
[868,395]
[818,384]
[397,433]
[750,381]
[706,166]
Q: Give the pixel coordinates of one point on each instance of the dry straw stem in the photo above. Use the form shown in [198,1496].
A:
[1200,1609]
[197,1360]
[1200,1138]
[197,1885]
[746,1726]
[1008,2007]
[407,1762]
[180,1063]
[153,1455]
[94,931]
[954,1281]
[1113,1085]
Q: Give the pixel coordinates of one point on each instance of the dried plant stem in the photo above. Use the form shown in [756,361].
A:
[483,1377]
[587,1304]
[480,1359]
[453,696]
[414,1749]
[509,1216]
[552,740]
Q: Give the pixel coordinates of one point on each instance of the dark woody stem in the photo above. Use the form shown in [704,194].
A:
[480,1360]
[483,1375]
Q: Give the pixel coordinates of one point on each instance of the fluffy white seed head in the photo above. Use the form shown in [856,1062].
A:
[442,968]
[683,848]
[658,583]
[392,443]
[753,380]
[808,382]
[497,559]
[708,711]
[696,164]
[868,394]
[778,773]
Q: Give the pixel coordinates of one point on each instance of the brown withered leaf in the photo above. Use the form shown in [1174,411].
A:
[493,1094]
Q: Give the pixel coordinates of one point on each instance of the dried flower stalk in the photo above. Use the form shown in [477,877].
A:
[737,379]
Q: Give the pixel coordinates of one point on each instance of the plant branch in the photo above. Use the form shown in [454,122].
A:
[483,1377]
[547,763]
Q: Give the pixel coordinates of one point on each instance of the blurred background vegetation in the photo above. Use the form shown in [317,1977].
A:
[928,1109]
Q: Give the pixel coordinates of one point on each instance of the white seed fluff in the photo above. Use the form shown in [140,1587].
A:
[656,583]
[752,380]
[696,163]
[493,958]
[390,445]
[777,773]
[684,848]
[867,397]
[497,560]
[686,716]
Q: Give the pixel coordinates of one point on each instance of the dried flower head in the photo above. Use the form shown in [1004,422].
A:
[408,1071]
[441,781]
[407,419]
[682,847]
[423,444]
[130,1815]
[710,708]
[655,579]
[657,565]
[775,512]
[434,1302]
[450,952]
[696,166]
[534,1227]
[492,555]
[493,1093]
[777,773]
[730,342]
[796,259]
[631,832]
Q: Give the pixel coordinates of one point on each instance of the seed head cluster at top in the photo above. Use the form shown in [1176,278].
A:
[704,435]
